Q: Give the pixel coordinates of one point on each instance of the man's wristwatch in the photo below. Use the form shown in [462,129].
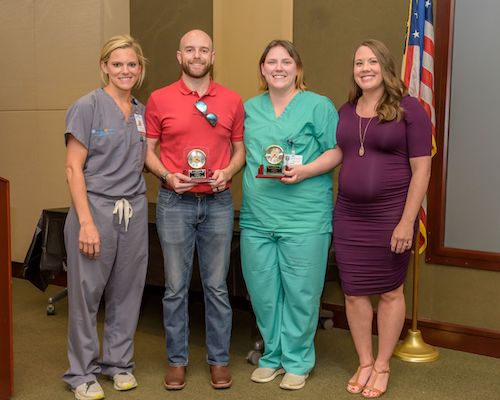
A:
[164,176]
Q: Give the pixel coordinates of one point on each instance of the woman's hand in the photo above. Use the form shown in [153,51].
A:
[295,174]
[402,237]
[323,164]
[89,241]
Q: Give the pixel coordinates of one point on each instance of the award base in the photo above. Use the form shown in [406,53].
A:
[199,175]
[200,180]
[270,174]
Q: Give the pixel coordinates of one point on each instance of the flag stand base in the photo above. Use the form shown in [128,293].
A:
[414,349]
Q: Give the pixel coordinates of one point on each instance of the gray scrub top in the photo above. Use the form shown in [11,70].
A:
[116,148]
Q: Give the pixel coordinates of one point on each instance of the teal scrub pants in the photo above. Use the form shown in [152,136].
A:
[284,274]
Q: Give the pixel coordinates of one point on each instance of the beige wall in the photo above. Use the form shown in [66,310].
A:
[159,25]
[326,33]
[241,32]
[50,55]
[242,29]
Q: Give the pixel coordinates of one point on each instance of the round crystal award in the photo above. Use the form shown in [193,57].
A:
[196,158]
[273,162]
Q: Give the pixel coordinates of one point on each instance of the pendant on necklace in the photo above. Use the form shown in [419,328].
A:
[362,136]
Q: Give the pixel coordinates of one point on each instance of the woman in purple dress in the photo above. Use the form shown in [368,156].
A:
[385,137]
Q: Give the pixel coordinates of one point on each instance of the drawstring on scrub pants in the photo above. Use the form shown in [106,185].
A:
[124,211]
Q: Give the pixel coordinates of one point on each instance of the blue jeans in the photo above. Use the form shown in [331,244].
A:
[184,222]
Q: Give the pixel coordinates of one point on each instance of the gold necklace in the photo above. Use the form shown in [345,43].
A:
[362,136]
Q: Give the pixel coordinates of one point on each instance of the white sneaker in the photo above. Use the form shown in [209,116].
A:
[263,375]
[293,382]
[124,381]
[89,391]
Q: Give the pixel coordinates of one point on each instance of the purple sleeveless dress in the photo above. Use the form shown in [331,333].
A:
[372,195]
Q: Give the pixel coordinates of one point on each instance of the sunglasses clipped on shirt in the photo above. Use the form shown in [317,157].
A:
[202,107]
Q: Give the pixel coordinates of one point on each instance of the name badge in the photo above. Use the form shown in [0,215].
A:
[139,121]
[293,159]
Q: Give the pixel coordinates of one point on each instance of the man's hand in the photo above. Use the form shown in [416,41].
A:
[180,183]
[219,183]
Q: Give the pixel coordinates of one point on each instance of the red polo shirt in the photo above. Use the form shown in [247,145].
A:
[172,117]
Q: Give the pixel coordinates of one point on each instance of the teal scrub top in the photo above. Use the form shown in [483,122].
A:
[307,126]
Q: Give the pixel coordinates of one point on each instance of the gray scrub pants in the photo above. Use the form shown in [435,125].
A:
[120,273]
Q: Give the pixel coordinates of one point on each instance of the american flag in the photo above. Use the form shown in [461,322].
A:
[418,75]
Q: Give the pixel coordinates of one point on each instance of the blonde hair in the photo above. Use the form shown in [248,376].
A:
[292,52]
[122,42]
[389,106]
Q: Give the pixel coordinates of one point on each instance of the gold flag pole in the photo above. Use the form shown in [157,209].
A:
[413,348]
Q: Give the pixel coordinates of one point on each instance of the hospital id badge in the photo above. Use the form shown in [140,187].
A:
[293,159]
[139,122]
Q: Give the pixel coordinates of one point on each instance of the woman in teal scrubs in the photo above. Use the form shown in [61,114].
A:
[286,214]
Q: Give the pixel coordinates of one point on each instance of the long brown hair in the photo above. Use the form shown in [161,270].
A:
[389,106]
[293,52]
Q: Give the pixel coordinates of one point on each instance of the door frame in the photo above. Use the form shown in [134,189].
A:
[6,333]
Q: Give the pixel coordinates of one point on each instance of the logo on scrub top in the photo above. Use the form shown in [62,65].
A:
[102,132]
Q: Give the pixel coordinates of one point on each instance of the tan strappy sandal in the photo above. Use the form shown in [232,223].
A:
[376,392]
[355,384]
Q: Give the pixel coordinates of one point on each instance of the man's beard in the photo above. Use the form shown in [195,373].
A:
[199,73]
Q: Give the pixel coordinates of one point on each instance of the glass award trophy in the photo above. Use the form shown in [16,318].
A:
[196,167]
[273,163]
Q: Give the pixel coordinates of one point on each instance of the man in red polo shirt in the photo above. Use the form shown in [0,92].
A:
[199,127]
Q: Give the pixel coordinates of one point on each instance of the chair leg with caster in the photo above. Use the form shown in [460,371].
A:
[51,307]
[253,357]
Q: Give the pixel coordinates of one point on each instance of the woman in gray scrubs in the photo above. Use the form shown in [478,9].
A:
[106,232]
